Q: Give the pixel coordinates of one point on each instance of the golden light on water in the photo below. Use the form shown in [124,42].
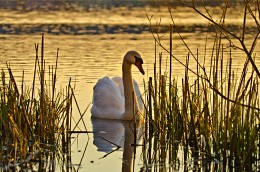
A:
[92,44]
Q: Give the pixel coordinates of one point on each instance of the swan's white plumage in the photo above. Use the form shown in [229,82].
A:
[113,98]
[109,100]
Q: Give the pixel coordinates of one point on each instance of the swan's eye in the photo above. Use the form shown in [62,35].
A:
[138,59]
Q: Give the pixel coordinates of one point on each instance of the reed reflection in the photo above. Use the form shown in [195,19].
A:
[113,135]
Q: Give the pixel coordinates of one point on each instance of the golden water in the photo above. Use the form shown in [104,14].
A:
[86,55]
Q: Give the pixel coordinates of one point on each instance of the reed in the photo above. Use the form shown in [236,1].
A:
[212,122]
[204,123]
[35,123]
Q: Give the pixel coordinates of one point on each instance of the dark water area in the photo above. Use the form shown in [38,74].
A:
[92,29]
[75,29]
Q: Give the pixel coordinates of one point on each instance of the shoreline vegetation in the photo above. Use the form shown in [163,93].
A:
[210,123]
[213,119]
[35,123]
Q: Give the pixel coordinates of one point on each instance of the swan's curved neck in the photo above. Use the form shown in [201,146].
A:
[129,92]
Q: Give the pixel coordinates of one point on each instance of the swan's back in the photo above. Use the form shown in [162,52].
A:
[108,98]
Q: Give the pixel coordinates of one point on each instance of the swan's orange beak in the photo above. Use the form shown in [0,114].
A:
[138,64]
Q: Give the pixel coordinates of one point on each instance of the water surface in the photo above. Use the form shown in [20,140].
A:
[91,45]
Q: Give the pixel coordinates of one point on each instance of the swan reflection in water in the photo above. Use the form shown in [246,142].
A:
[110,135]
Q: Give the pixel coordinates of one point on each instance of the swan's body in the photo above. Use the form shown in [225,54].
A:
[113,98]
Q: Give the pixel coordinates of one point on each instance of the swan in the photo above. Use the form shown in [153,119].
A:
[113,98]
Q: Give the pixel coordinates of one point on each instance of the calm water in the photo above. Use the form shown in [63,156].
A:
[91,45]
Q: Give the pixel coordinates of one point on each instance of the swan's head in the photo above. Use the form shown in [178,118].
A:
[133,57]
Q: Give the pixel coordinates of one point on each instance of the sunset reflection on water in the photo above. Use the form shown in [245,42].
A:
[92,44]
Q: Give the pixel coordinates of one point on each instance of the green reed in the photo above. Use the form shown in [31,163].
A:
[35,122]
[210,121]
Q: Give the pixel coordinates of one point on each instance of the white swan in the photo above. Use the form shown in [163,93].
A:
[113,98]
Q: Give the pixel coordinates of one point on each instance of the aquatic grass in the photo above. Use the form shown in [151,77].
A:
[212,117]
[202,122]
[35,122]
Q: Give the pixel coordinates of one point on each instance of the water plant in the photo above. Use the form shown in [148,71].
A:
[210,120]
[35,122]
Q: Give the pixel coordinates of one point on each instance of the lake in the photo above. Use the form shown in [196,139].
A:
[92,42]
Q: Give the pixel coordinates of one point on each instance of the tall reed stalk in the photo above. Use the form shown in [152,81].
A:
[33,121]
[213,120]
[205,124]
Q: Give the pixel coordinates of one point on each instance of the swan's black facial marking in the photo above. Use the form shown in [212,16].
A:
[138,64]
[138,59]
